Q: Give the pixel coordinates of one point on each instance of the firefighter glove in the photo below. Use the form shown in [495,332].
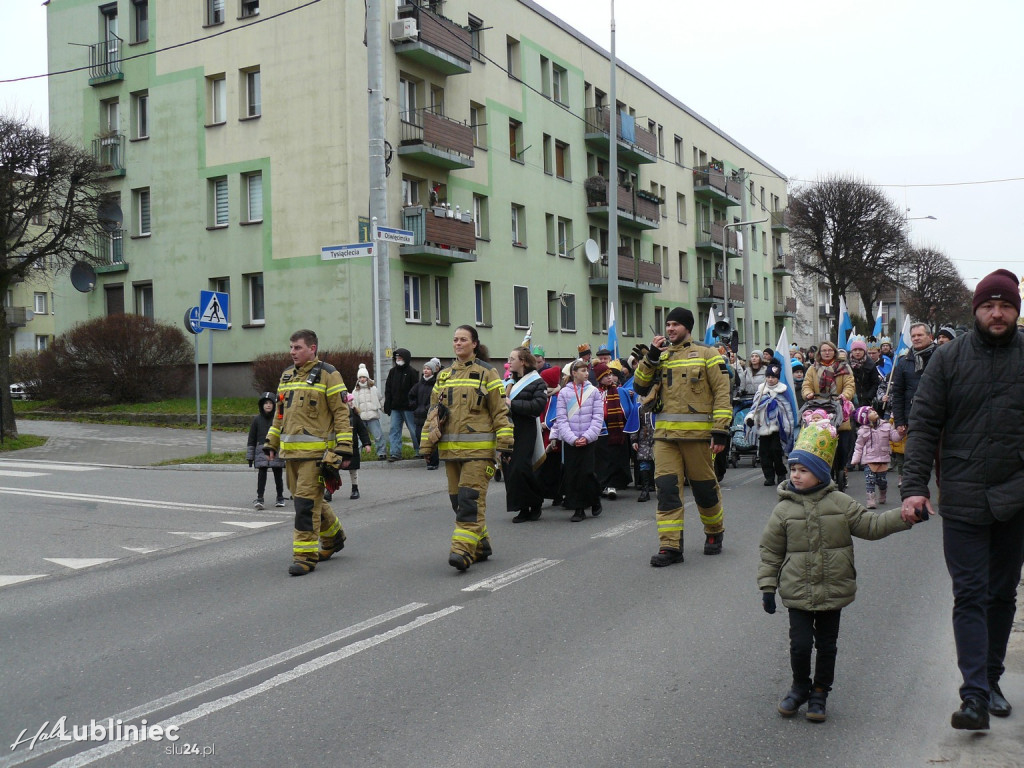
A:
[654,355]
[639,351]
[719,438]
[768,601]
[250,462]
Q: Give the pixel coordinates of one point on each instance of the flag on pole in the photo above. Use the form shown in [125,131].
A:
[845,325]
[709,332]
[904,342]
[613,339]
[877,330]
[782,355]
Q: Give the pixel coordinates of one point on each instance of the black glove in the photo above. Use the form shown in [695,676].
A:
[654,355]
[720,438]
[639,351]
[922,514]
[250,462]
[768,601]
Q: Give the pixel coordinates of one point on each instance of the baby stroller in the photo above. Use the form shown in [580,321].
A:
[739,444]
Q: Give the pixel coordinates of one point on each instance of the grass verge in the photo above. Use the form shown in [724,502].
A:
[21,442]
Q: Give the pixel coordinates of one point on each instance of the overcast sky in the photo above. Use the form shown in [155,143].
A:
[922,96]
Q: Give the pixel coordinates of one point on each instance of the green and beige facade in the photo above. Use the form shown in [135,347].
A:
[235,158]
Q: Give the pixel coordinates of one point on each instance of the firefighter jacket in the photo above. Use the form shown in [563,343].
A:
[311,415]
[469,403]
[693,392]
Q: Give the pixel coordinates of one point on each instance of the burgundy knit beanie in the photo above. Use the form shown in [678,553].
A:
[1001,284]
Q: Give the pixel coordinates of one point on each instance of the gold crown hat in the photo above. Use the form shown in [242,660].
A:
[816,448]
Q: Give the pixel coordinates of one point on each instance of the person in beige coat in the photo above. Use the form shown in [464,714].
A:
[829,384]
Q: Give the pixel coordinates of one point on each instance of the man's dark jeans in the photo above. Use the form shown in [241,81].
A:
[984,562]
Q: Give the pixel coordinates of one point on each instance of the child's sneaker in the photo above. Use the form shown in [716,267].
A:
[816,706]
[257,503]
[279,502]
[792,701]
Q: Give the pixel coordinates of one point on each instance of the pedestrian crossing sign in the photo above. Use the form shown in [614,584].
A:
[213,310]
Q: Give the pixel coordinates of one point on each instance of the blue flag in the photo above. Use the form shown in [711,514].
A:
[845,325]
[613,339]
[709,332]
[877,330]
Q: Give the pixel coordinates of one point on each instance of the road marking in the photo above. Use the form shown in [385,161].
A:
[125,501]
[111,748]
[253,525]
[202,535]
[8,580]
[142,550]
[18,473]
[621,529]
[48,466]
[512,575]
[80,562]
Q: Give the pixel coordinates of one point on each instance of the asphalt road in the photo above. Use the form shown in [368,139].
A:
[565,649]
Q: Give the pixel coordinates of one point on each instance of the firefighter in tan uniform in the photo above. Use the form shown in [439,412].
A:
[693,413]
[468,421]
[311,427]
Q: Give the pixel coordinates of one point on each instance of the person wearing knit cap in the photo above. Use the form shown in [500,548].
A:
[945,335]
[369,402]
[814,574]
[419,402]
[969,410]
[875,437]
[771,423]
[695,413]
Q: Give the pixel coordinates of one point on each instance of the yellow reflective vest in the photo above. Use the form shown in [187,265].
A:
[476,422]
[311,414]
[693,389]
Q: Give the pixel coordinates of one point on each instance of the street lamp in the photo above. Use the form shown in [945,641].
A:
[725,269]
[906,221]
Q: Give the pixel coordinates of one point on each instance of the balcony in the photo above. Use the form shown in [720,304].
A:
[109,250]
[713,237]
[632,209]
[780,221]
[786,308]
[783,264]
[442,236]
[105,61]
[435,139]
[824,310]
[710,183]
[108,150]
[634,274]
[713,291]
[442,45]
[17,317]
[635,145]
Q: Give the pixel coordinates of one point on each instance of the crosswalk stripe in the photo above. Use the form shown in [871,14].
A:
[48,466]
[253,525]
[17,473]
[80,562]
[620,529]
[202,535]
[8,580]
[125,501]
[142,550]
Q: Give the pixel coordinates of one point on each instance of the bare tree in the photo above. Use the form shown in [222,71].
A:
[50,193]
[846,234]
[935,292]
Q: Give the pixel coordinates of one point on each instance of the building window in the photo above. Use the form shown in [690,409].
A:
[684,270]
[476,37]
[755,286]
[478,122]
[681,208]
[253,98]
[482,297]
[252,187]
[562,161]
[441,300]
[521,306]
[553,306]
[408,102]
[546,149]
[113,296]
[678,156]
[42,342]
[518,224]
[142,211]
[512,57]
[515,140]
[39,303]
[559,81]
[140,21]
[549,231]
[545,76]
[214,12]
[480,219]
[144,299]
[413,311]
[217,87]
[140,113]
[249,8]
[257,310]
[567,314]
[219,202]
[564,237]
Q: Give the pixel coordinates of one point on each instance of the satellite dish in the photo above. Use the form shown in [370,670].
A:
[83,277]
[110,215]
[593,251]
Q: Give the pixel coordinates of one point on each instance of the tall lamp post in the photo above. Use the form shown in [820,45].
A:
[906,221]
[747,320]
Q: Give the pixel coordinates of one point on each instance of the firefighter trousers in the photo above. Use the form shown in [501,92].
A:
[467,490]
[692,459]
[314,518]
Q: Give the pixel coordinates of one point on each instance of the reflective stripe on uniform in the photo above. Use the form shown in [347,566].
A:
[336,389]
[333,529]
[461,534]
[302,386]
[678,417]
[305,443]
[665,526]
[305,547]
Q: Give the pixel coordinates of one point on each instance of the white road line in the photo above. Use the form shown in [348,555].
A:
[17,473]
[206,686]
[48,466]
[202,535]
[142,550]
[512,575]
[126,501]
[253,525]
[621,529]
[92,755]
[7,580]
[80,562]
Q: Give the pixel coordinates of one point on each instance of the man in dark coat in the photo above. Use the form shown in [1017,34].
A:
[401,379]
[907,375]
[970,407]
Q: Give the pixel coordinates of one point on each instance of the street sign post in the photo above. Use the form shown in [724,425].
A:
[214,308]
[193,327]
[351,251]
[392,235]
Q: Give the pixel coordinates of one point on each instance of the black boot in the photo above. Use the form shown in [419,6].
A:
[972,716]
[713,543]
[355,492]
[793,700]
[816,706]
[578,515]
[646,485]
[668,556]
[997,703]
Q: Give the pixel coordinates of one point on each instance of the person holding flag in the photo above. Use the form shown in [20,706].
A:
[845,325]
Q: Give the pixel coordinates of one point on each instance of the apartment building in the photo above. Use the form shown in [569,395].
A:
[30,312]
[235,138]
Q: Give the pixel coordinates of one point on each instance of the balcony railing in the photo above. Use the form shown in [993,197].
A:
[17,317]
[785,306]
[105,58]
[714,290]
[636,144]
[784,264]
[632,209]
[633,273]
[780,221]
[109,152]
[442,45]
[442,235]
[710,182]
[713,236]
[109,248]
[433,138]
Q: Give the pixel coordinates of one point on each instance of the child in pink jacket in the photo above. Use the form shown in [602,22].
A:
[874,440]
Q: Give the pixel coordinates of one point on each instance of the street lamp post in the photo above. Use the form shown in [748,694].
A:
[747,322]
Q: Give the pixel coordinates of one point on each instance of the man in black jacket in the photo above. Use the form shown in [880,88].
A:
[970,407]
[907,375]
[401,379]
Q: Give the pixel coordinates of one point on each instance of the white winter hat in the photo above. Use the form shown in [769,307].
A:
[362,371]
